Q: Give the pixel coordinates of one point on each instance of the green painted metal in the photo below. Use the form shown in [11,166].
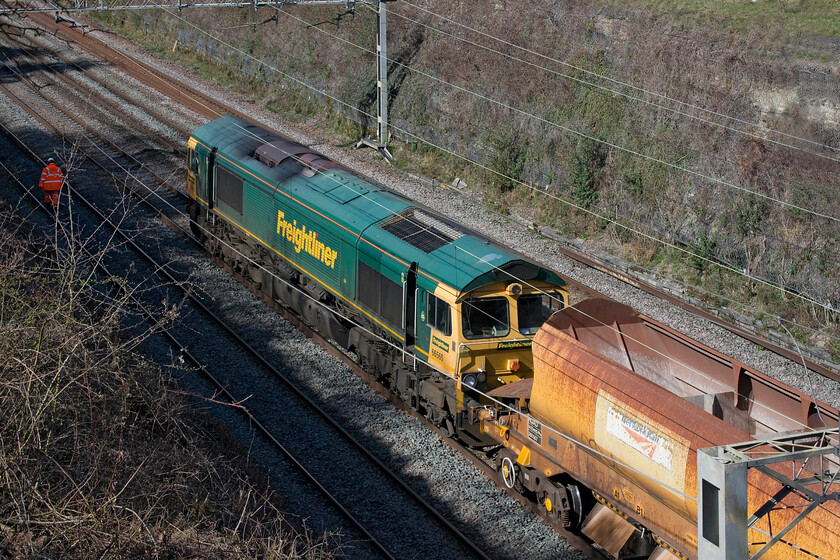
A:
[324,221]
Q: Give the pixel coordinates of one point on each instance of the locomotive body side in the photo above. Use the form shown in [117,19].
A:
[420,281]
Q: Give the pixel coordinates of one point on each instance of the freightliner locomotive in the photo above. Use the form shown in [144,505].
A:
[413,291]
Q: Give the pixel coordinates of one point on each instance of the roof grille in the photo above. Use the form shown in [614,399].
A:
[274,153]
[421,230]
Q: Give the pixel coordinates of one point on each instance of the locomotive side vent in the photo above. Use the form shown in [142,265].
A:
[421,230]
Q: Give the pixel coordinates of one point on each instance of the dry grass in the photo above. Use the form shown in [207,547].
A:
[100,457]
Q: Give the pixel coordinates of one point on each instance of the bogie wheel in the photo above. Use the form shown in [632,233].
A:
[574,517]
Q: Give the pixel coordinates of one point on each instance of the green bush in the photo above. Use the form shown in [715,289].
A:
[586,170]
[508,161]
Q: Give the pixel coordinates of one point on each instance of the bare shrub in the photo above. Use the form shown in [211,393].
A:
[100,457]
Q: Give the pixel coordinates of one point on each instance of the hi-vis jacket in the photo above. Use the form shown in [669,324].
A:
[51,178]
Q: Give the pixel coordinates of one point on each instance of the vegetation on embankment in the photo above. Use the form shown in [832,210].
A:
[101,457]
[698,139]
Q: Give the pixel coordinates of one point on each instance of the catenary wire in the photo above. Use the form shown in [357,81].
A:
[396,347]
[586,210]
[700,373]
[526,283]
[668,244]
[584,82]
[614,81]
[572,131]
[689,496]
[709,293]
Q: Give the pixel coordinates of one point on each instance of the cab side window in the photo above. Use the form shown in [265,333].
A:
[193,163]
[534,309]
[438,315]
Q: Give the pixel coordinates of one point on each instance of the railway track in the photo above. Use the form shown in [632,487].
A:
[199,103]
[130,168]
[220,388]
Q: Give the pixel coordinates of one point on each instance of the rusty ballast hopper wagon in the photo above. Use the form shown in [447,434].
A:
[643,399]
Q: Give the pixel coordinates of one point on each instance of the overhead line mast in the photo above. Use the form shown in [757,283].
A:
[379,6]
[724,515]
[382,136]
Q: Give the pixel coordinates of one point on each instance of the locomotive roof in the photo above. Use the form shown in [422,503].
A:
[442,249]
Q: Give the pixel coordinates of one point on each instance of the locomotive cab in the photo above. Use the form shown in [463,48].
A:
[482,338]
[497,324]
[198,187]
[192,169]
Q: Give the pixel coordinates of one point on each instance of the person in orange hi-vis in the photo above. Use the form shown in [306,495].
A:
[52,179]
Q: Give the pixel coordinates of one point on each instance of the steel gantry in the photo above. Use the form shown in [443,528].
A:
[379,6]
[805,464]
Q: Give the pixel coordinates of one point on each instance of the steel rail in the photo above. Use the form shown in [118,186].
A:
[694,309]
[159,268]
[184,351]
[581,544]
[199,102]
[179,6]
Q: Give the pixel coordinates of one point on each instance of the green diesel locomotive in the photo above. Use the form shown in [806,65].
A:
[431,308]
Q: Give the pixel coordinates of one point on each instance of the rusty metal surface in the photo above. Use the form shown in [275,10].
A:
[589,384]
[517,390]
[749,400]
[582,258]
